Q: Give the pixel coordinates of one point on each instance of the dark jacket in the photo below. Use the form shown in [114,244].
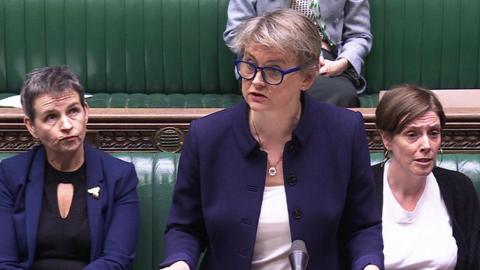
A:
[328,184]
[462,204]
[113,217]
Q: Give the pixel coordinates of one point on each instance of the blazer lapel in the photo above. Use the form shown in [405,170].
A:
[94,178]
[378,170]
[444,186]
[33,200]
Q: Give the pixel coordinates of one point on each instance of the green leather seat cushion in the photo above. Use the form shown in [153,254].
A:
[123,100]
[368,100]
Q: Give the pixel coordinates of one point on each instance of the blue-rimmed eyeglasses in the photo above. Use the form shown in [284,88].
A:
[270,75]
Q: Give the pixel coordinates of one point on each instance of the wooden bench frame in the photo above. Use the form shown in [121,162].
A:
[151,130]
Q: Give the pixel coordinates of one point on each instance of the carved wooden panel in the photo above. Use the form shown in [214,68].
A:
[16,140]
[461,140]
[152,130]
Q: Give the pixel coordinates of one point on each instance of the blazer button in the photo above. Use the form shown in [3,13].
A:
[292,180]
[293,147]
[246,221]
[297,213]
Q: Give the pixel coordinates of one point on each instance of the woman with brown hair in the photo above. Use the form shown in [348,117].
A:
[431,216]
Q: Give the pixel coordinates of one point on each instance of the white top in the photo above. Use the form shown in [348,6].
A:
[422,238]
[273,242]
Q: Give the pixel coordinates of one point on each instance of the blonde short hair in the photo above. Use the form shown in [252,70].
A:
[285,30]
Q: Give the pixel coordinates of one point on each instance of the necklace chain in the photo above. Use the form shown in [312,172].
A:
[271,168]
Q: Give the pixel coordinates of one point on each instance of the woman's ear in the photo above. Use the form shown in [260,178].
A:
[386,139]
[308,79]
[30,126]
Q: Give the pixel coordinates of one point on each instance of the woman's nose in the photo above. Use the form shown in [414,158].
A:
[258,79]
[66,124]
[425,143]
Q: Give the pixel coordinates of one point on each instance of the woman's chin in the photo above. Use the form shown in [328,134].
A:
[423,170]
[257,106]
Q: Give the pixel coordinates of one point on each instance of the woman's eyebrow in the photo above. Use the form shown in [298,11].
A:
[75,104]
[274,61]
[50,111]
[422,125]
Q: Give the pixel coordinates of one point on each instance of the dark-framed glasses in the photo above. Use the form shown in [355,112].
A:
[270,75]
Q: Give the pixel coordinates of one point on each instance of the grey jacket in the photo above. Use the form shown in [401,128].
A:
[347,21]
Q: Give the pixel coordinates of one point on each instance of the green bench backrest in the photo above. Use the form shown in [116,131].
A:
[127,46]
[434,43]
[176,46]
[157,174]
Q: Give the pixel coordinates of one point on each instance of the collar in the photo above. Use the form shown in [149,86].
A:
[95,179]
[93,164]
[300,134]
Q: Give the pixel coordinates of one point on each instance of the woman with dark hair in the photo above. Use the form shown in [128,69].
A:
[431,216]
[64,204]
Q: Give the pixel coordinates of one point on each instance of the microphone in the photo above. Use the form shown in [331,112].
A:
[298,255]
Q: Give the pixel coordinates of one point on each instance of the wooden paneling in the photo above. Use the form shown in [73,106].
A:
[153,130]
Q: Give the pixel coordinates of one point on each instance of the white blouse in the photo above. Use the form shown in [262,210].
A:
[273,241]
[418,239]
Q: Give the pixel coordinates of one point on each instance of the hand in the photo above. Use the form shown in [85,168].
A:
[332,68]
[371,267]
[180,265]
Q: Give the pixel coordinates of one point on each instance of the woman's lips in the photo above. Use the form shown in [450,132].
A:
[257,94]
[424,161]
[69,138]
[257,97]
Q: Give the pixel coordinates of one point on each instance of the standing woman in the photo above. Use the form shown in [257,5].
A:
[431,216]
[276,168]
[346,41]
[63,204]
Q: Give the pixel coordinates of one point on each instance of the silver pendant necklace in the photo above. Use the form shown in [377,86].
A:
[271,168]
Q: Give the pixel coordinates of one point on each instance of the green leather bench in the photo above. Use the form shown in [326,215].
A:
[431,43]
[128,53]
[157,174]
[170,53]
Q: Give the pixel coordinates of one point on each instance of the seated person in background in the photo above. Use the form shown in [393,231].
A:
[346,41]
[276,168]
[431,216]
[64,204]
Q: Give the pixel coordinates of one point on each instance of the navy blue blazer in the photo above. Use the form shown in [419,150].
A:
[113,218]
[328,183]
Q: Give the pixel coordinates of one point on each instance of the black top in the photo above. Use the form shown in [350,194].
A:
[63,243]
[462,204]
